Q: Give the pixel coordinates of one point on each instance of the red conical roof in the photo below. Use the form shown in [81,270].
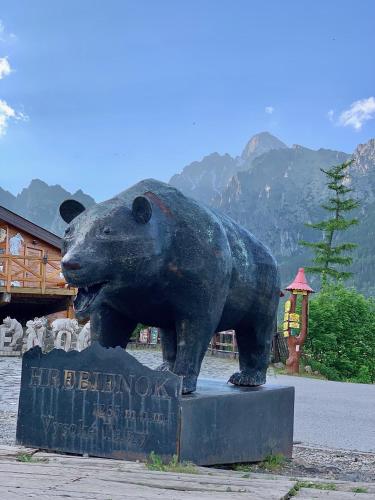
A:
[300,282]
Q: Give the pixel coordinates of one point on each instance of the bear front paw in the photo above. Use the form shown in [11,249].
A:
[248,379]
[189,384]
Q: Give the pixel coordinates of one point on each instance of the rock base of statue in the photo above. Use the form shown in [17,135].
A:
[223,424]
[104,403]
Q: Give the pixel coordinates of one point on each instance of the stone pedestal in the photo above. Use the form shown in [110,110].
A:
[223,424]
[105,403]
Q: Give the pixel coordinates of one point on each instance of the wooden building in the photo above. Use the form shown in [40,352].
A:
[31,283]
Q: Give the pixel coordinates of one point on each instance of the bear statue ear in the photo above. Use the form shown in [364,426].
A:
[141,209]
[70,209]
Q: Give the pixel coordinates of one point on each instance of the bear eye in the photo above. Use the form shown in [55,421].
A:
[106,230]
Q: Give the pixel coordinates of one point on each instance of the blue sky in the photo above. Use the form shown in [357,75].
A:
[100,94]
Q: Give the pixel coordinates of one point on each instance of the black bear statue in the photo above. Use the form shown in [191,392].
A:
[154,256]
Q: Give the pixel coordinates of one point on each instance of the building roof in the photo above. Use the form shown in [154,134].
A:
[25,225]
[300,282]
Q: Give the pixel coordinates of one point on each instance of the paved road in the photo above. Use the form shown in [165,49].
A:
[333,414]
[329,414]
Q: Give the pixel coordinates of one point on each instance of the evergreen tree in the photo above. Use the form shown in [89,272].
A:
[330,258]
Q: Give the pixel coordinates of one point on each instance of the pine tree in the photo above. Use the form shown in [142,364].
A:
[330,258]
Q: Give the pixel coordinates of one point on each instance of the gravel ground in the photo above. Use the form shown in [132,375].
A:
[326,413]
[325,463]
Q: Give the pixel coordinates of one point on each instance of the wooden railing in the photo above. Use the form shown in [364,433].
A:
[30,272]
[224,342]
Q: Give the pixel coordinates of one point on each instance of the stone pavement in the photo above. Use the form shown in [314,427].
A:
[26,473]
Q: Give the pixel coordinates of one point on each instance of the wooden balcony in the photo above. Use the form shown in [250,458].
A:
[32,275]
[32,286]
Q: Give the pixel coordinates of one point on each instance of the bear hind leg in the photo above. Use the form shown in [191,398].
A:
[191,348]
[254,343]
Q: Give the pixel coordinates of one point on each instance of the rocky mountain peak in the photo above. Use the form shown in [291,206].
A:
[41,187]
[261,143]
[361,171]
[364,154]
[38,183]
[39,202]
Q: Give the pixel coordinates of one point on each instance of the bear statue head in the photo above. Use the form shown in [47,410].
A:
[109,249]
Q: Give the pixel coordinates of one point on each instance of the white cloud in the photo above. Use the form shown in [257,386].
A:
[358,113]
[330,115]
[4,35]
[2,29]
[5,68]
[8,113]
[269,110]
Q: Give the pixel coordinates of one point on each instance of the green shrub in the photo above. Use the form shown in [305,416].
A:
[341,339]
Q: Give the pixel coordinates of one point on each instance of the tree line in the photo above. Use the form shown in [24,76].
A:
[341,340]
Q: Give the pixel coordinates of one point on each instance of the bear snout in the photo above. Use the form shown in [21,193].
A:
[70,263]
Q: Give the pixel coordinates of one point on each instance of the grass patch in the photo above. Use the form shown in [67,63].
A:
[272,462]
[302,373]
[243,467]
[308,484]
[359,489]
[317,486]
[155,462]
[291,493]
[28,458]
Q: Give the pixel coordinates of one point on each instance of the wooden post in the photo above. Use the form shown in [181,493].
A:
[295,343]
[70,310]
[43,273]
[9,274]
[235,347]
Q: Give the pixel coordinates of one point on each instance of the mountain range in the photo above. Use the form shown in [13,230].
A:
[207,178]
[40,203]
[273,190]
[270,188]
